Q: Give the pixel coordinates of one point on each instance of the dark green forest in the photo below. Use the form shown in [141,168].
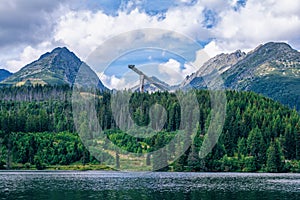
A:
[37,130]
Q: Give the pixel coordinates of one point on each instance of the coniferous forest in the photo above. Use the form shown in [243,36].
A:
[37,131]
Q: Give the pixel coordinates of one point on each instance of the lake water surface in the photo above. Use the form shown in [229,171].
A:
[73,185]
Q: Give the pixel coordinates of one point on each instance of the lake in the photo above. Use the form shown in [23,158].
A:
[73,185]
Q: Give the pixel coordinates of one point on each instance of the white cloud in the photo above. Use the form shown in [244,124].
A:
[113,82]
[203,55]
[212,49]
[172,67]
[259,22]
[28,55]
[188,70]
[174,73]
[83,31]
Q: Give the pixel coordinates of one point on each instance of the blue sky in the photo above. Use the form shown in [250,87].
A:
[33,27]
[151,7]
[153,50]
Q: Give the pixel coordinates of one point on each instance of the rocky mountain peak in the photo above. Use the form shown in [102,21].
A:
[61,52]
[60,49]
[58,67]
[275,51]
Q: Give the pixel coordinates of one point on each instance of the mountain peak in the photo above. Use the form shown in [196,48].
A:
[277,44]
[273,46]
[58,51]
[62,50]
[58,67]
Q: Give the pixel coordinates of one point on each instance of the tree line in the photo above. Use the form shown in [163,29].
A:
[258,133]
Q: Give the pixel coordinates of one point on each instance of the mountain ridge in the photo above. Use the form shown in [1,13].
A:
[271,69]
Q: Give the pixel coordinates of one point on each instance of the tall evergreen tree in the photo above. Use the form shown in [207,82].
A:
[289,143]
[242,147]
[256,146]
[274,157]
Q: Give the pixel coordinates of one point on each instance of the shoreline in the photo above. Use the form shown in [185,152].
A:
[102,168]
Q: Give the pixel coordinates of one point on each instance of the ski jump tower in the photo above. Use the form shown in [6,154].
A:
[144,77]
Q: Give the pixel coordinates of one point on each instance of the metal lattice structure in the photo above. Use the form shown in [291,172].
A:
[144,77]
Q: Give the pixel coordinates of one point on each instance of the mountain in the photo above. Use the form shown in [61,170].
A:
[4,74]
[58,67]
[271,69]
[221,63]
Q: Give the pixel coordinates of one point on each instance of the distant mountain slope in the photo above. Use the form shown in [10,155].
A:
[4,74]
[272,69]
[59,67]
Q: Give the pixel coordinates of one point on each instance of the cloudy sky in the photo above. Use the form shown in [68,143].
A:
[32,27]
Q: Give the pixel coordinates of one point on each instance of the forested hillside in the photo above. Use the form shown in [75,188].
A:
[37,129]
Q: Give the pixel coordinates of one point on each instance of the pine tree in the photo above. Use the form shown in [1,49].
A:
[256,146]
[274,157]
[289,144]
[298,146]
[242,147]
